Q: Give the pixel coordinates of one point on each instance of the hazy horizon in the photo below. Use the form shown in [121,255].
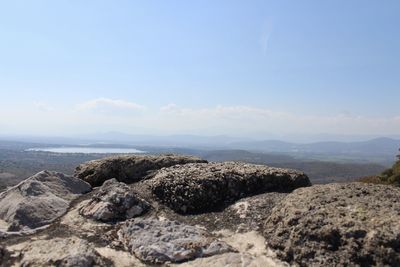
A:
[121,138]
[264,69]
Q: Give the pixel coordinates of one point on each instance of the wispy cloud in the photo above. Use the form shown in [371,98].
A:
[169,108]
[42,106]
[265,35]
[108,102]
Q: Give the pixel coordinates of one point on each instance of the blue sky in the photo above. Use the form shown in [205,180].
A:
[200,67]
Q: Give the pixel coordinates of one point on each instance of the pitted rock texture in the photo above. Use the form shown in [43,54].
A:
[197,187]
[63,252]
[39,200]
[337,225]
[114,201]
[155,241]
[128,169]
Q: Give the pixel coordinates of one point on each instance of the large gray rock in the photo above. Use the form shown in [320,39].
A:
[337,225]
[198,187]
[39,200]
[114,201]
[128,169]
[155,241]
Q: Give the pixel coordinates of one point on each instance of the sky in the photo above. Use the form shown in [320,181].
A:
[239,68]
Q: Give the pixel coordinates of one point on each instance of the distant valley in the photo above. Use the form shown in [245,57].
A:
[324,162]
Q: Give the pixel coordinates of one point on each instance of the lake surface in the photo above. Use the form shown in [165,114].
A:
[87,150]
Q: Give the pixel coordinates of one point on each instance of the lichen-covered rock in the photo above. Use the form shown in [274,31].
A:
[128,169]
[198,187]
[155,241]
[39,200]
[337,225]
[114,201]
[63,252]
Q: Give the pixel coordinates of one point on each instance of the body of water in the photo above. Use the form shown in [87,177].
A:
[88,150]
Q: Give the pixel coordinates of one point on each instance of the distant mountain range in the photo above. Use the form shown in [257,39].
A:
[379,150]
[374,146]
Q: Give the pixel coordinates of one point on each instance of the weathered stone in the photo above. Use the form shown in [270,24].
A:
[128,169]
[39,200]
[114,201]
[337,225]
[198,187]
[157,241]
[65,252]
[240,207]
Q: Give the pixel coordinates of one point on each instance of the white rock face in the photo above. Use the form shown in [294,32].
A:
[39,200]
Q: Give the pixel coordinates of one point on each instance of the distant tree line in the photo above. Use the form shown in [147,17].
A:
[392,175]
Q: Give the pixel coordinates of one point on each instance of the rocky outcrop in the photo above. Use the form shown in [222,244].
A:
[128,169]
[155,241]
[196,214]
[114,201]
[39,200]
[337,225]
[198,187]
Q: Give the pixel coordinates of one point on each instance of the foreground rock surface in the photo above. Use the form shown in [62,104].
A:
[228,214]
[65,252]
[337,225]
[114,201]
[157,241]
[39,200]
[198,187]
[128,169]
[251,252]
